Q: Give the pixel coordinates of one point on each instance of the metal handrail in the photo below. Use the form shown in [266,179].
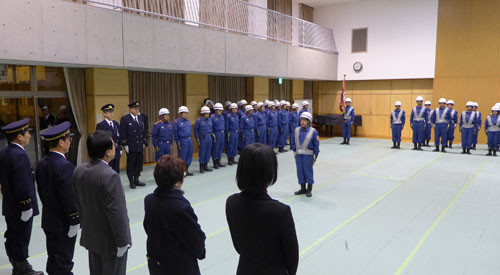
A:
[298,32]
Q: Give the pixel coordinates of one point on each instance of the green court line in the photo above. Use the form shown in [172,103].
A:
[436,222]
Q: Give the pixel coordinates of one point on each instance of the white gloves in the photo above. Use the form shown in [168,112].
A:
[143,146]
[73,230]
[122,250]
[126,148]
[26,215]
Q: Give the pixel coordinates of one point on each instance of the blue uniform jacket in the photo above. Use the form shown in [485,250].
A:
[218,123]
[163,132]
[494,120]
[247,125]
[132,133]
[182,129]
[419,109]
[313,144]
[54,174]
[115,134]
[232,123]
[441,110]
[347,108]
[479,119]
[467,118]
[175,238]
[272,118]
[203,127]
[16,178]
[454,117]
[403,117]
[283,116]
[294,120]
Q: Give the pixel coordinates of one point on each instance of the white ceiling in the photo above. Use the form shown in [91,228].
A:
[324,3]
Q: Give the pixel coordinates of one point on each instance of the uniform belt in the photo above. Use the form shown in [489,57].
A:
[418,119]
[164,141]
[466,126]
[305,152]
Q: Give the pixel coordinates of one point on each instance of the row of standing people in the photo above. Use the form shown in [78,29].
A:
[445,120]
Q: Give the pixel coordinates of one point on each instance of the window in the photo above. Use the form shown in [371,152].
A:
[359,40]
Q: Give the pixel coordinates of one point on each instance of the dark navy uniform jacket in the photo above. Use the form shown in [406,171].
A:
[104,125]
[54,174]
[175,238]
[18,185]
[132,133]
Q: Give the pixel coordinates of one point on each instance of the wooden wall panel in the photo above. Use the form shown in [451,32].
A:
[297,90]
[363,104]
[380,104]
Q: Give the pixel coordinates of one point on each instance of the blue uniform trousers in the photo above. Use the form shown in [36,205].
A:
[249,137]
[304,165]
[134,164]
[450,136]
[428,128]
[60,251]
[17,237]
[396,132]
[205,148]
[440,133]
[346,129]
[186,151]
[493,140]
[467,137]
[218,145]
[232,144]
[418,131]
[261,134]
[272,138]
[115,164]
[165,149]
[283,135]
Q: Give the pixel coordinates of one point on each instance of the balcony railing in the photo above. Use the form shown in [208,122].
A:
[232,16]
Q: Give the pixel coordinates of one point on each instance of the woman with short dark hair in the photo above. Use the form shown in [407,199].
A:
[175,239]
[262,229]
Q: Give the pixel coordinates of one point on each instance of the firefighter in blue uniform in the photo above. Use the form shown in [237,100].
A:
[398,119]
[112,126]
[305,146]
[19,202]
[232,134]
[133,140]
[305,107]
[163,134]
[492,129]
[183,137]
[283,126]
[260,124]
[467,126]
[60,218]
[417,124]
[219,130]
[348,121]
[272,125]
[450,136]
[428,124]
[293,121]
[247,126]
[441,120]
[479,121]
[203,133]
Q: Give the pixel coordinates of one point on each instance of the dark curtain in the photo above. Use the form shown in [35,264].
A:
[280,92]
[156,90]
[278,25]
[306,12]
[75,83]
[308,89]
[224,88]
[174,8]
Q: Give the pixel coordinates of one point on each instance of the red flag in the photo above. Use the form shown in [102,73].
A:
[342,97]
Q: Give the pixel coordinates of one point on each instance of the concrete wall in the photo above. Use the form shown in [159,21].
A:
[61,32]
[401,37]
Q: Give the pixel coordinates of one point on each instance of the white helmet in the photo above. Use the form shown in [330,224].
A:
[427,103]
[233,106]
[304,103]
[397,103]
[495,108]
[450,102]
[238,102]
[218,106]
[205,110]
[469,103]
[295,105]
[184,109]
[277,104]
[419,98]
[442,100]
[248,108]
[163,111]
[271,104]
[348,100]
[498,104]
[283,102]
[477,105]
[228,103]
[260,104]
[253,103]
[243,102]
[307,116]
[287,104]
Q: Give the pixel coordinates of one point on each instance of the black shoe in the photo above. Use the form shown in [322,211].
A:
[464,151]
[415,146]
[202,168]
[436,150]
[419,148]
[347,142]
[188,173]
[132,183]
[302,190]
[474,147]
[399,145]
[24,268]
[216,164]
[138,182]
[344,142]
[468,151]
[394,145]
[489,152]
[309,190]
[206,168]
[230,161]
[494,153]
[443,150]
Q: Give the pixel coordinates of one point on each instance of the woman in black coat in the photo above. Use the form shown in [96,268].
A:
[175,239]
[262,229]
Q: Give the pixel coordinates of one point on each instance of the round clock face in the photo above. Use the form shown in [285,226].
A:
[357,66]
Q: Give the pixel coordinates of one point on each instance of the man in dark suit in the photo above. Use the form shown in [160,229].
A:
[110,125]
[19,203]
[60,218]
[133,141]
[47,119]
[102,207]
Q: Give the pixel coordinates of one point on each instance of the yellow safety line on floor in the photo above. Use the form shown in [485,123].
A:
[436,222]
[340,226]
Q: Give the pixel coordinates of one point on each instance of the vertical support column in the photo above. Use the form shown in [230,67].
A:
[196,91]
